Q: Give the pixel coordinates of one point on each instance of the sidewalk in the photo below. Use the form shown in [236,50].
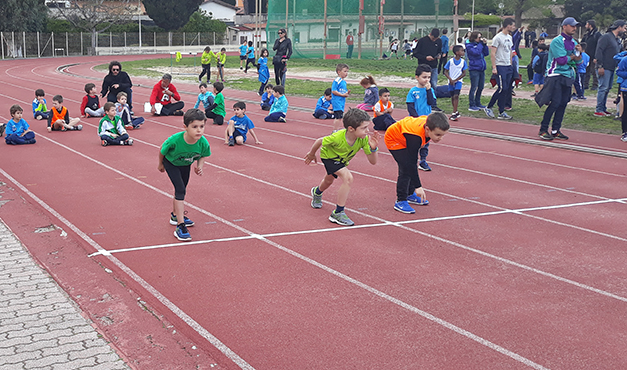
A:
[40,326]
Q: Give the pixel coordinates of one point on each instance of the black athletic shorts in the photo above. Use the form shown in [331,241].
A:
[332,166]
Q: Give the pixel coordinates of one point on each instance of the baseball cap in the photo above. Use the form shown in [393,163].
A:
[618,23]
[570,21]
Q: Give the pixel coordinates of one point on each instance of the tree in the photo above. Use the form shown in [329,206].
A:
[482,20]
[604,12]
[200,21]
[171,14]
[96,16]
[23,15]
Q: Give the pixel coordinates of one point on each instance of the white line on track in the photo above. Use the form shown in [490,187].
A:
[212,339]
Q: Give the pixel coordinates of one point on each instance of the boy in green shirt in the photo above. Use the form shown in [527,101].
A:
[217,110]
[337,150]
[176,156]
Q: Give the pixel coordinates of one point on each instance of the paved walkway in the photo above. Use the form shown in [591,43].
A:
[40,326]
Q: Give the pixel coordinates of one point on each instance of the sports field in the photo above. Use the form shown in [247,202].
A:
[517,262]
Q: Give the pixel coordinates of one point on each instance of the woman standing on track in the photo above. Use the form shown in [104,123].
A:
[283,48]
[115,82]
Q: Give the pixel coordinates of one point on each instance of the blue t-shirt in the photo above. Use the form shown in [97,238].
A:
[418,97]
[251,53]
[17,127]
[242,50]
[323,103]
[205,98]
[444,44]
[585,60]
[243,125]
[338,102]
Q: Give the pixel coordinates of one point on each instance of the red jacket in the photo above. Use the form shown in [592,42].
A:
[159,96]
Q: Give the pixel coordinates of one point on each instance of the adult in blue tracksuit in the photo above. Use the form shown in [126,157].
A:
[476,51]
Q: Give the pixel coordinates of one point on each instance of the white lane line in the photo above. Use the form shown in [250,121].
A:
[365,226]
[212,339]
[149,288]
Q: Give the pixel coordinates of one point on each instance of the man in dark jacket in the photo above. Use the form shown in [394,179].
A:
[609,45]
[591,38]
[428,51]
[115,82]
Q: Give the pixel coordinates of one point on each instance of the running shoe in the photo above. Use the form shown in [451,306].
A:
[404,207]
[104,142]
[174,221]
[545,135]
[481,106]
[316,201]
[182,234]
[504,116]
[78,127]
[341,219]
[129,127]
[423,165]
[624,137]
[3,127]
[128,142]
[473,109]
[436,109]
[455,116]
[489,112]
[559,135]
[282,119]
[231,141]
[414,199]
[600,114]
[178,113]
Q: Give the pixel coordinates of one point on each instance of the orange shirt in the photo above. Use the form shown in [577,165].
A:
[394,136]
[382,107]
[56,115]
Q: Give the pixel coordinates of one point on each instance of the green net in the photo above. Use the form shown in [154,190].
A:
[305,22]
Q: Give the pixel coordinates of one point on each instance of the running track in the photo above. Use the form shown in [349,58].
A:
[518,262]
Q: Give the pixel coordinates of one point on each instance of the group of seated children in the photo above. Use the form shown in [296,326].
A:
[90,107]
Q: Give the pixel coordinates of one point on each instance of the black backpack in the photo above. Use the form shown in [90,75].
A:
[540,67]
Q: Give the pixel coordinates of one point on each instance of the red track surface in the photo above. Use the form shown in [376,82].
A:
[493,274]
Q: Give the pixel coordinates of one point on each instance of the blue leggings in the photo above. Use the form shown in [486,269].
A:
[15,139]
[274,117]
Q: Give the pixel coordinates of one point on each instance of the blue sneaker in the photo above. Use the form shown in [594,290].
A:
[403,207]
[414,199]
[474,109]
[423,165]
[174,221]
[481,106]
[182,234]
[489,112]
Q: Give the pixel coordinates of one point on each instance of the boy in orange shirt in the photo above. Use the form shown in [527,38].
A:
[383,111]
[404,140]
[59,118]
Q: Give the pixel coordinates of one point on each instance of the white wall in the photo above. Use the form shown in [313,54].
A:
[219,12]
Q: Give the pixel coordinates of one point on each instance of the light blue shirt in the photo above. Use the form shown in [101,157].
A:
[205,98]
[279,105]
[418,97]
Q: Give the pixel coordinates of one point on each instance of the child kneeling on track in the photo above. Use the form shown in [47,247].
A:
[239,126]
[111,129]
[324,109]
[59,118]
[17,129]
[123,111]
[176,156]
[383,111]
[337,150]
[278,110]
[404,140]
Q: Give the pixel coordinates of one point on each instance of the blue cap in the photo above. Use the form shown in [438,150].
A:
[570,21]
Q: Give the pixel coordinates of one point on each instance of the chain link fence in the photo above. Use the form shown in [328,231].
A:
[40,44]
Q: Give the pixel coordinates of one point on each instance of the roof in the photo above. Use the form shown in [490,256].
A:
[221,3]
[241,28]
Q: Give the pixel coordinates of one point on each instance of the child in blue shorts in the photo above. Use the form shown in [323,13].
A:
[420,99]
[324,109]
[239,125]
[455,69]
[17,129]
[340,93]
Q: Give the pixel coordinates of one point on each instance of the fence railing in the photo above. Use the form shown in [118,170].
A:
[40,44]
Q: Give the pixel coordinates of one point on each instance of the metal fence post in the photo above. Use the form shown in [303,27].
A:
[52,37]
[185,44]
[125,44]
[24,41]
[13,44]
[38,47]
[214,37]
[67,46]
[155,35]
[2,42]
[198,38]
[82,46]
[111,43]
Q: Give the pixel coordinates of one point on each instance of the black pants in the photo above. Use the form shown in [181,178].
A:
[179,175]
[442,62]
[591,72]
[560,97]
[408,180]
[279,73]
[248,61]
[262,88]
[114,140]
[169,109]
[217,119]
[206,69]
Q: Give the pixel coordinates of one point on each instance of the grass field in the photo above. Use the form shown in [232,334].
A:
[525,110]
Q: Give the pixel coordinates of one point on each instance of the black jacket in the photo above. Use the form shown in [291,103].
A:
[426,47]
[591,38]
[121,79]
[607,47]
[283,50]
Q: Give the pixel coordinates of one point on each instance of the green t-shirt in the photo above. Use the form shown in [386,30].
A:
[219,109]
[180,153]
[335,147]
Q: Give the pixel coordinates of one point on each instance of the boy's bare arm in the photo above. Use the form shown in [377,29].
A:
[199,164]
[252,133]
[311,156]
[373,141]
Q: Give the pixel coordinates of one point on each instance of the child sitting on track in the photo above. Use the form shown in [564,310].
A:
[217,110]
[17,129]
[205,96]
[278,110]
[371,95]
[239,126]
[123,111]
[90,107]
[111,129]
[59,118]
[40,110]
[337,150]
[383,111]
[176,156]
[324,109]
[404,140]
[267,99]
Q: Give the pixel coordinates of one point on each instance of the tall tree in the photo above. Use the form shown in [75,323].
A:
[171,14]
[603,11]
[23,15]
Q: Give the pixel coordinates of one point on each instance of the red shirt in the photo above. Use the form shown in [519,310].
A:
[159,96]
[349,40]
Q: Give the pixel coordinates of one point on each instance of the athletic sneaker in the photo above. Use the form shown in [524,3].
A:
[404,207]
[455,116]
[2,129]
[78,127]
[414,199]
[545,136]
[436,109]
[104,142]
[600,114]
[282,119]
[489,112]
[624,137]
[481,106]
[316,201]
[178,112]
[559,135]
[533,95]
[341,219]
[174,221]
[231,141]
[39,118]
[423,165]
[182,234]
[129,127]
[504,116]
[128,142]
[474,109]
